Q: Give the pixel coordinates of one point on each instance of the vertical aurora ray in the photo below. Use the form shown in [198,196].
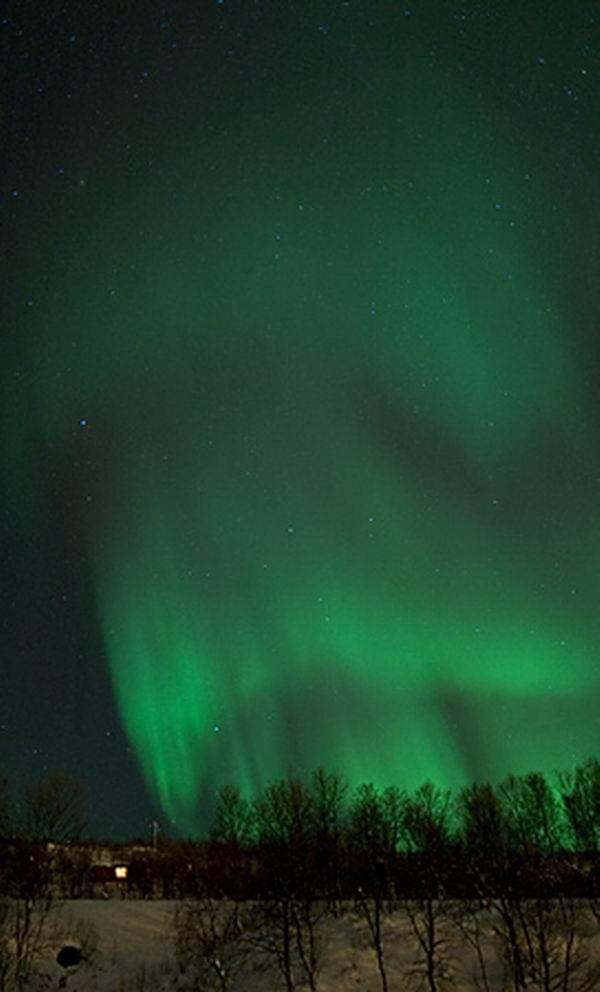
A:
[329,426]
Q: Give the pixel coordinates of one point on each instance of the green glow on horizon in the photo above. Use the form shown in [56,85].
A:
[331,466]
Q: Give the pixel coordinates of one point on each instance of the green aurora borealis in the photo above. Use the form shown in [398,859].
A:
[339,474]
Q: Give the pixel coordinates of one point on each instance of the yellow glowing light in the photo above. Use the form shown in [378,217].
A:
[121,871]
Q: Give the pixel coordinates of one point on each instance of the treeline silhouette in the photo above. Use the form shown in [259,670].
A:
[525,834]
[321,837]
[510,871]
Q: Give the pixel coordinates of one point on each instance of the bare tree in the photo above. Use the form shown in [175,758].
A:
[283,930]
[287,914]
[210,945]
[233,819]
[49,815]
[231,837]
[27,902]
[553,956]
[427,834]
[533,820]
[374,831]
[580,795]
[329,815]
[52,811]
[492,849]
[467,916]
[513,856]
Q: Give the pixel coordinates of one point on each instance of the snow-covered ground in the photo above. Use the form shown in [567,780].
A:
[131,944]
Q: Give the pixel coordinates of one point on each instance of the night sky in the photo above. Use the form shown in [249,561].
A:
[299,395]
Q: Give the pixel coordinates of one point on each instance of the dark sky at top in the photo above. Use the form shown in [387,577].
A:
[299,394]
